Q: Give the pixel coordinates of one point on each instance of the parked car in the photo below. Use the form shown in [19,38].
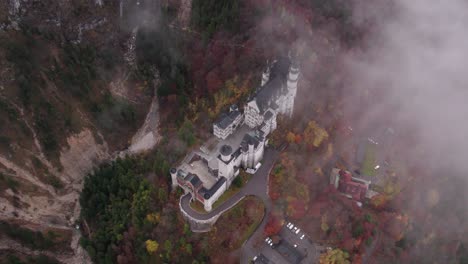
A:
[296,230]
[290,225]
[302,237]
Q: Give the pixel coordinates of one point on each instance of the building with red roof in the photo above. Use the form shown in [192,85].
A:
[350,186]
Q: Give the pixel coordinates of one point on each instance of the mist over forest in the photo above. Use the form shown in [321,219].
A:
[100,99]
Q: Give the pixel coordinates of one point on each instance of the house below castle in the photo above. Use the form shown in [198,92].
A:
[240,138]
[354,188]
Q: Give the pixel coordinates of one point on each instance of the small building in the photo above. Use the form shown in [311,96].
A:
[227,123]
[351,187]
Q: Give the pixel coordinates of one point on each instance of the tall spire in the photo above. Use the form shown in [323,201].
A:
[293,74]
[266,74]
[293,77]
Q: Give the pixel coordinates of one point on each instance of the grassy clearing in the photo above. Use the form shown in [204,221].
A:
[198,206]
[367,167]
[257,220]
[238,224]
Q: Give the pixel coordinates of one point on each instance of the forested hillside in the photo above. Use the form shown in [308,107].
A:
[76,87]
[69,98]
[78,78]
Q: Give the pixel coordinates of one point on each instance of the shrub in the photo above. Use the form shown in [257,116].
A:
[237,182]
[33,239]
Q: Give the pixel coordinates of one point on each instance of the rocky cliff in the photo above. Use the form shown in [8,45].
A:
[70,98]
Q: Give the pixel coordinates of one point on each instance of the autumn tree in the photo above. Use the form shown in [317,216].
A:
[290,137]
[314,135]
[153,218]
[186,133]
[296,208]
[324,223]
[233,91]
[213,81]
[335,256]
[273,226]
[379,201]
[151,246]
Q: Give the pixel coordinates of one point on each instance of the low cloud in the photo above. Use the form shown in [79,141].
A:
[415,65]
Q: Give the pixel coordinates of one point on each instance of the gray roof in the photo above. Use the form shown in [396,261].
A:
[289,252]
[194,180]
[226,150]
[268,115]
[266,95]
[249,140]
[208,193]
[226,119]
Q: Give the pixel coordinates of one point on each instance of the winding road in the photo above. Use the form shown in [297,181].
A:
[257,186]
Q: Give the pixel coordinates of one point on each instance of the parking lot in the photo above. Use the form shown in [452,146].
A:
[290,249]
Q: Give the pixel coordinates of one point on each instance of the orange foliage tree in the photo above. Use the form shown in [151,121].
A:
[273,225]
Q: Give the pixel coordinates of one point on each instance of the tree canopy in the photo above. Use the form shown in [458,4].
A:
[213,15]
[114,197]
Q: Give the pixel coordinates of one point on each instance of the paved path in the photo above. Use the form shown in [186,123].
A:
[256,186]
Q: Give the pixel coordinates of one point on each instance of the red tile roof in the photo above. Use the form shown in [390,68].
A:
[356,190]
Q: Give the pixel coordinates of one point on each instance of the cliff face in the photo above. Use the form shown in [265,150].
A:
[69,100]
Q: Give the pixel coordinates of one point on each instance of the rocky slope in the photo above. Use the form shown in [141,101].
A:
[58,123]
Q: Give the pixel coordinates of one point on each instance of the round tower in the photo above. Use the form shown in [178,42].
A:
[266,74]
[173,172]
[293,75]
[226,152]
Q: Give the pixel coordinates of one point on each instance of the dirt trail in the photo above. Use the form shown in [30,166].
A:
[148,135]
[185,10]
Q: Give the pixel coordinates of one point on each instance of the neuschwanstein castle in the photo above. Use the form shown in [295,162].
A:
[241,137]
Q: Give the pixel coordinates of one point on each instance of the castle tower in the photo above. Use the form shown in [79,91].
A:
[173,172]
[266,74]
[225,166]
[293,77]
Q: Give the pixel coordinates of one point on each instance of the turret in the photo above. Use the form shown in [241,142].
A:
[225,166]
[266,74]
[233,108]
[173,172]
[226,152]
[293,75]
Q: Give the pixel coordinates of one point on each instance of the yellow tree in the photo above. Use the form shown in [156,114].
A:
[153,218]
[151,246]
[291,137]
[314,135]
[335,256]
[324,223]
[232,91]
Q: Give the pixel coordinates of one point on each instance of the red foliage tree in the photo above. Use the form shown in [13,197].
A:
[297,209]
[213,82]
[273,225]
